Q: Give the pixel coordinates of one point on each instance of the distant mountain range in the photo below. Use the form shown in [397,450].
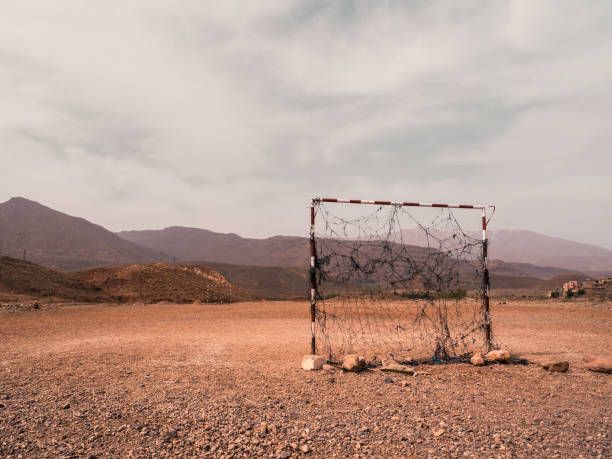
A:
[524,246]
[196,244]
[54,239]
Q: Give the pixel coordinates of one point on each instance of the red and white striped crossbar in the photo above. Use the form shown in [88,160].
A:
[403,204]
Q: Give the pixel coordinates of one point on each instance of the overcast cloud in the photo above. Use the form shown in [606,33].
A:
[232,115]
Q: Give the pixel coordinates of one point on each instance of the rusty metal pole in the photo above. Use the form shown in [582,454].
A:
[313,284]
[486,283]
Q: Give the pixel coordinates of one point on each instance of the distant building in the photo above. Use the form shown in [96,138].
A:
[572,286]
[598,288]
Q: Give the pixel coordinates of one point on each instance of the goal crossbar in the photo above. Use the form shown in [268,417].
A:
[403,204]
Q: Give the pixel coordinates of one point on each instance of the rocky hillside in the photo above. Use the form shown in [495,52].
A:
[19,277]
[161,282]
[151,283]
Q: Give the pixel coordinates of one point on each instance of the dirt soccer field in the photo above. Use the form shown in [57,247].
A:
[225,381]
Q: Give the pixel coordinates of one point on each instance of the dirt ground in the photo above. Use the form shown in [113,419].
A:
[224,381]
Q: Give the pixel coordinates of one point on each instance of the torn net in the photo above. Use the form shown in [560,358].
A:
[390,282]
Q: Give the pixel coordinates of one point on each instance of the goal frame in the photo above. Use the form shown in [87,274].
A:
[485,288]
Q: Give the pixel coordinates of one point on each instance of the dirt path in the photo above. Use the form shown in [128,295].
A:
[193,380]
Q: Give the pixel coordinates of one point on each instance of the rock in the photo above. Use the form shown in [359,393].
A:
[477,360]
[388,380]
[305,449]
[169,435]
[556,366]
[598,364]
[438,433]
[312,362]
[328,367]
[498,355]
[352,362]
[261,429]
[394,367]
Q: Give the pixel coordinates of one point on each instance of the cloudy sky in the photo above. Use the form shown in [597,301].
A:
[232,115]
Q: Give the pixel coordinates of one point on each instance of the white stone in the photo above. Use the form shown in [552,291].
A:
[313,362]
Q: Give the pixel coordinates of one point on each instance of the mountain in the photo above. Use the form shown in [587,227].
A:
[57,240]
[522,246]
[269,282]
[54,239]
[284,283]
[541,256]
[196,244]
[529,247]
[502,268]
[19,277]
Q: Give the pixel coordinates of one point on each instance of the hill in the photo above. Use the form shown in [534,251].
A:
[283,283]
[521,246]
[531,247]
[19,277]
[540,256]
[136,283]
[58,240]
[277,264]
[161,282]
[200,244]
[269,282]
[502,268]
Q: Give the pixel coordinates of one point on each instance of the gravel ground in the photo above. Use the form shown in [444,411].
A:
[224,381]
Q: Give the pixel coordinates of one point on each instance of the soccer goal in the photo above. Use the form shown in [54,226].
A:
[402,278]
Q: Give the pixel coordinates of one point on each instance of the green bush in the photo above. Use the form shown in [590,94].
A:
[416,295]
[457,294]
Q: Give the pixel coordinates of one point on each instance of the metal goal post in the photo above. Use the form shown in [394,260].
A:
[315,202]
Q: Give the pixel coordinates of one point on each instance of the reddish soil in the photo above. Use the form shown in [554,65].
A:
[224,381]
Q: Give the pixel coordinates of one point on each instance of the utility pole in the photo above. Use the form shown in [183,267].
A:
[24,254]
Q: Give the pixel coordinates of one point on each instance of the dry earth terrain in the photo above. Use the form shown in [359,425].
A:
[224,381]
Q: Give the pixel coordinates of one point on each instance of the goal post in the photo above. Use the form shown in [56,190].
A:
[378,287]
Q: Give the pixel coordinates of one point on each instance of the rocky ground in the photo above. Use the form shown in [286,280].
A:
[224,381]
